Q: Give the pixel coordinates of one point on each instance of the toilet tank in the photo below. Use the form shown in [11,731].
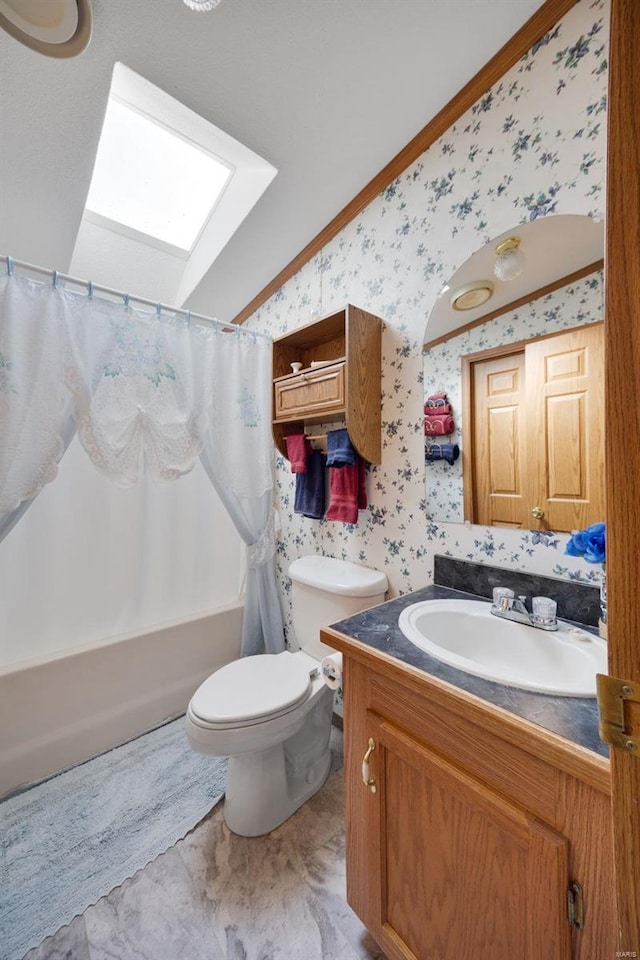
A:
[325,589]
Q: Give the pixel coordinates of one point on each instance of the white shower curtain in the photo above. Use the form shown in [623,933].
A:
[146,393]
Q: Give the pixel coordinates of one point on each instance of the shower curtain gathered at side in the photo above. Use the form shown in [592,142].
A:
[146,393]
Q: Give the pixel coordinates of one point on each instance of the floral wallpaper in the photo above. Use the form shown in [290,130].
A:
[570,306]
[533,145]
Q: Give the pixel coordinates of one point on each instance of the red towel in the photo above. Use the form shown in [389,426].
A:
[297,449]
[438,426]
[362,484]
[437,410]
[437,404]
[347,492]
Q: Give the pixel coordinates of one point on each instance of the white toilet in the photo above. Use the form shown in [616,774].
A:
[271,714]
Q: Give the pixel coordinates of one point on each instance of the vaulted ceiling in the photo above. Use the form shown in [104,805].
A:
[328,91]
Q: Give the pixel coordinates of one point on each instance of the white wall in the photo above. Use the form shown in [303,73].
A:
[90,561]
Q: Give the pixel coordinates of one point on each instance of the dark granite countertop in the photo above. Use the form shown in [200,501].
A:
[573,718]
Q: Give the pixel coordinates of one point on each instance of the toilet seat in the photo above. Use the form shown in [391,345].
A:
[250,691]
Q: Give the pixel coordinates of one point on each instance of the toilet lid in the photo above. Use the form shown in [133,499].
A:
[252,688]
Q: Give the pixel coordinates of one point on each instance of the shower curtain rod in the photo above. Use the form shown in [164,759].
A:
[126,297]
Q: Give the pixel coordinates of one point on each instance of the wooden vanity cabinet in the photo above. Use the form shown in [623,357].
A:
[476,826]
[345,389]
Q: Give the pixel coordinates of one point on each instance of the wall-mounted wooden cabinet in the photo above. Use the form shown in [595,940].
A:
[345,388]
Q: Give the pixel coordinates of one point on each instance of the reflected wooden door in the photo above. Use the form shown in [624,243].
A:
[499,448]
[536,418]
[565,427]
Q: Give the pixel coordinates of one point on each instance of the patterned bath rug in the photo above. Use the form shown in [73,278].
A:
[68,841]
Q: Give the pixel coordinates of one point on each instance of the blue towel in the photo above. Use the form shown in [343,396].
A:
[443,451]
[340,452]
[310,493]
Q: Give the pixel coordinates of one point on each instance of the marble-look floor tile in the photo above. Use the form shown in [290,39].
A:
[154,916]
[335,743]
[325,874]
[349,954]
[255,890]
[69,943]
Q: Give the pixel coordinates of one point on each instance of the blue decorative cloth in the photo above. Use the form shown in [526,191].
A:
[309,497]
[340,452]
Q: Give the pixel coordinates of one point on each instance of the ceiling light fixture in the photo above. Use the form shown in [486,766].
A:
[202,5]
[472,295]
[510,260]
[56,28]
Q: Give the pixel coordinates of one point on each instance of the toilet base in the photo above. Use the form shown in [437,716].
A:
[278,801]
[266,787]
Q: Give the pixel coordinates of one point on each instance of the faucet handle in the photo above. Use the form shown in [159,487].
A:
[544,609]
[500,594]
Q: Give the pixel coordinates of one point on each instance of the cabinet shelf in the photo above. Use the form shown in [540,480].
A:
[346,387]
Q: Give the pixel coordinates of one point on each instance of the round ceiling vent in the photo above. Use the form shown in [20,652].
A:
[472,295]
[56,28]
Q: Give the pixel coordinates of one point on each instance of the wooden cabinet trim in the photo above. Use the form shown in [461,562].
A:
[507,769]
[549,879]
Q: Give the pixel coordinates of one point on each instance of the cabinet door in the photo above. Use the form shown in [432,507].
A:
[461,872]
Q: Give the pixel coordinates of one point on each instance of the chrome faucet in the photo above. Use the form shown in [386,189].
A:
[508,607]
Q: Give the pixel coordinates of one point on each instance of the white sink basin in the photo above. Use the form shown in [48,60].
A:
[465,635]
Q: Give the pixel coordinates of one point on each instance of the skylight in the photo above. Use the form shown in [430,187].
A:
[169,190]
[152,180]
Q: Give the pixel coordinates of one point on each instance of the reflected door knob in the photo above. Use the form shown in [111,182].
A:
[538,513]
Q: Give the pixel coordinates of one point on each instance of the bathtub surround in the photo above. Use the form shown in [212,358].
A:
[69,841]
[533,145]
[59,711]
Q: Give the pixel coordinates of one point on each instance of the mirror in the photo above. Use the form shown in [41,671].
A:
[521,363]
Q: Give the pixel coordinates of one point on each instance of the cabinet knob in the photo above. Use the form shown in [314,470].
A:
[538,513]
[368,782]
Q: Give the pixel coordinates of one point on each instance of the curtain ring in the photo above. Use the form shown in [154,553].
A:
[9,266]
[126,299]
[188,316]
[90,289]
[55,279]
[158,309]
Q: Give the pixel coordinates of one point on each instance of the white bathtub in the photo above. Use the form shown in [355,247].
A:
[59,711]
